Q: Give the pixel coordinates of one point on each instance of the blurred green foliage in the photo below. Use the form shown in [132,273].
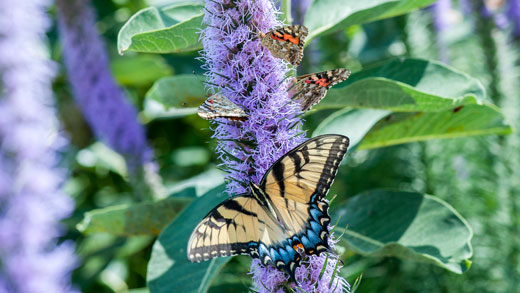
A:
[478,176]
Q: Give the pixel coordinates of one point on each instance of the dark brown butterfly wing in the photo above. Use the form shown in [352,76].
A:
[286,42]
[310,89]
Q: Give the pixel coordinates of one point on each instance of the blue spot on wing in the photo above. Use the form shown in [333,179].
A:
[284,253]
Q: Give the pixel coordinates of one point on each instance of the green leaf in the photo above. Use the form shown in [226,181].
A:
[129,220]
[169,269]
[429,101]
[354,123]
[150,218]
[170,29]
[101,156]
[139,70]
[407,127]
[197,186]
[406,85]
[325,16]
[175,96]
[407,225]
[398,128]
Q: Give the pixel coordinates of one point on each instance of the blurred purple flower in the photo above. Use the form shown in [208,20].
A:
[31,201]
[487,10]
[104,104]
[466,6]
[441,11]
[513,14]
[298,10]
[250,76]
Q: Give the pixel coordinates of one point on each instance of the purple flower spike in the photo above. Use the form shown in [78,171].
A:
[104,104]
[250,76]
[31,201]
[513,14]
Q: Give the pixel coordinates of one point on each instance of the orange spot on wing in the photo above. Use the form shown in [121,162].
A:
[299,245]
[285,37]
[322,82]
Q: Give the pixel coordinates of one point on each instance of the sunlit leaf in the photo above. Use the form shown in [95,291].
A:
[138,219]
[170,29]
[175,96]
[398,128]
[139,70]
[406,85]
[331,15]
[408,225]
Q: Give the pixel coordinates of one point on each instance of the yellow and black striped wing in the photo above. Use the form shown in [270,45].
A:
[306,173]
[238,225]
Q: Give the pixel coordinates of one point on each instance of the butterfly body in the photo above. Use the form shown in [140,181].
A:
[219,106]
[283,217]
[310,89]
[286,42]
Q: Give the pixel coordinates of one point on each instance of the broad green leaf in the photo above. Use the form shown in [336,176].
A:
[128,220]
[169,269]
[171,29]
[354,123]
[407,225]
[398,128]
[407,127]
[331,15]
[429,101]
[175,96]
[150,218]
[198,185]
[406,85]
[139,70]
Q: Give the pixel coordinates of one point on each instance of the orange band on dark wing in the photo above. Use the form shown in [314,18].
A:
[285,37]
[322,82]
